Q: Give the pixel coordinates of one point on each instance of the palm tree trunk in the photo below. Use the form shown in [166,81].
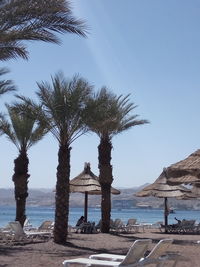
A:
[105,207]
[62,195]
[105,179]
[20,179]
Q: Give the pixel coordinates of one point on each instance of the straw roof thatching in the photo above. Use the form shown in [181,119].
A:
[186,171]
[161,189]
[87,181]
[191,164]
[185,179]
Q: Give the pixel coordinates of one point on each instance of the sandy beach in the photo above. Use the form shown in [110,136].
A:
[83,245]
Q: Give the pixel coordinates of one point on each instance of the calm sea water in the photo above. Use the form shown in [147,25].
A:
[37,215]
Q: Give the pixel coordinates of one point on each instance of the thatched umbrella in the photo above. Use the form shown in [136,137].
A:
[186,171]
[88,183]
[161,189]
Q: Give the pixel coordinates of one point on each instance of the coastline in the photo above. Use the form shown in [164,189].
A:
[37,215]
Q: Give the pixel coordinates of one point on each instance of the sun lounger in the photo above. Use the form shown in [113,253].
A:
[27,225]
[156,256]
[131,226]
[86,228]
[21,235]
[184,227]
[117,225]
[46,226]
[135,252]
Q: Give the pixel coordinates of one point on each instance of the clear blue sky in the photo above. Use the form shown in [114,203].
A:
[150,49]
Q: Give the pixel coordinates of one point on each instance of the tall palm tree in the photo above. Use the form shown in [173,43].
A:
[23,131]
[107,116]
[62,105]
[22,20]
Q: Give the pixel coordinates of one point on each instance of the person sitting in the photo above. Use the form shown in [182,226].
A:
[80,223]
[175,225]
[178,221]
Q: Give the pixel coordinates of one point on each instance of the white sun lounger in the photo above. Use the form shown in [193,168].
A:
[20,234]
[135,252]
[155,257]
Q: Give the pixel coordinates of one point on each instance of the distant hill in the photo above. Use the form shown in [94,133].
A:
[46,197]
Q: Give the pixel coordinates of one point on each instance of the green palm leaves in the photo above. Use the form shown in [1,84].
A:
[62,106]
[22,129]
[108,114]
[34,20]
[5,85]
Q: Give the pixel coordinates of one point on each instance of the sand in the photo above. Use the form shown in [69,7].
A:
[82,245]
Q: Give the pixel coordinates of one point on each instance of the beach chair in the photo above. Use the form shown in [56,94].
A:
[117,225]
[86,228]
[184,227]
[21,235]
[158,256]
[46,226]
[135,252]
[27,225]
[131,226]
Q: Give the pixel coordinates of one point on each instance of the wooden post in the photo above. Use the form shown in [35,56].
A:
[86,206]
[166,212]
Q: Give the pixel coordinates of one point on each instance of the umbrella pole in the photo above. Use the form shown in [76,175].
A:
[86,206]
[166,211]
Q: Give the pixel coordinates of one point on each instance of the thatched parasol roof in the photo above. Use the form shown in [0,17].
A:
[189,165]
[186,171]
[184,179]
[161,189]
[87,181]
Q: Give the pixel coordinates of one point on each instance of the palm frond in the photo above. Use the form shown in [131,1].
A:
[22,20]
[5,128]
[23,130]
[108,115]
[62,104]
[6,85]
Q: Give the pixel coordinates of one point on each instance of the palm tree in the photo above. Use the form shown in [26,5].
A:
[23,131]
[62,105]
[23,20]
[108,115]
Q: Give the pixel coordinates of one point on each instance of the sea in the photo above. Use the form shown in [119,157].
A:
[37,215]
